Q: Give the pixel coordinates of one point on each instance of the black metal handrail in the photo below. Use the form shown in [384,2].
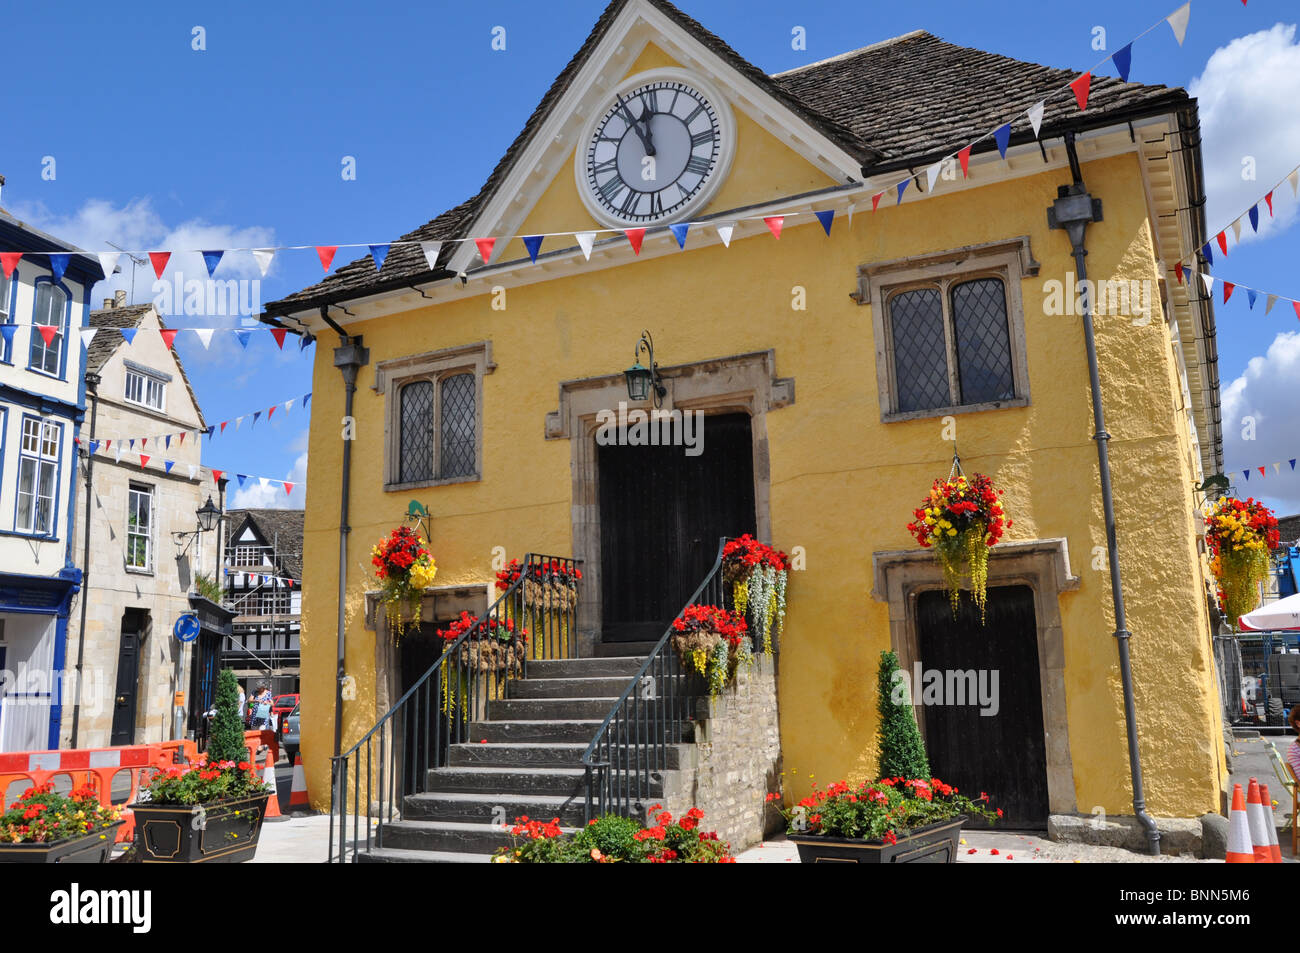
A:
[630,750]
[417,732]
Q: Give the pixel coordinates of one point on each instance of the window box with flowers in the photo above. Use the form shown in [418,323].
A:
[614,839]
[44,827]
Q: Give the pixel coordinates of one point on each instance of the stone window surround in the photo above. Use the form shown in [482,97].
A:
[740,383]
[148,489]
[390,375]
[1011,260]
[899,576]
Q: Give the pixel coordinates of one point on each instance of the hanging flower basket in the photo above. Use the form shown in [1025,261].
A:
[550,586]
[712,641]
[961,520]
[1240,536]
[405,568]
[757,573]
[497,648]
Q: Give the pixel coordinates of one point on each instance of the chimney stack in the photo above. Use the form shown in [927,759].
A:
[119,298]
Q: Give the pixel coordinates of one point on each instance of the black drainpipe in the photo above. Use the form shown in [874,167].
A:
[349,357]
[92,383]
[1073,209]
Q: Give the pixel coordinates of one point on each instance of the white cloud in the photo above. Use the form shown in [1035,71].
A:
[1262,403]
[1247,98]
[272,496]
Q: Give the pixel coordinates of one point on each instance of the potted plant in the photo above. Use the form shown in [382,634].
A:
[906,816]
[1240,535]
[712,641]
[43,827]
[613,839]
[757,573]
[405,568]
[208,811]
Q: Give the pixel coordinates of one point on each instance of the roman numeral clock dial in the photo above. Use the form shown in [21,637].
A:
[657,152]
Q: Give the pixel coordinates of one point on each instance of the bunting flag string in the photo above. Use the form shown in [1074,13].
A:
[194,470]
[1250,216]
[1263,470]
[1183,273]
[303,402]
[1079,89]
[243,577]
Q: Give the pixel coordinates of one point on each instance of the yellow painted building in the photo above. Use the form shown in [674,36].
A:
[841,371]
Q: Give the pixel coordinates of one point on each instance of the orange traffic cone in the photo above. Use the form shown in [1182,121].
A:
[298,796]
[1258,825]
[1274,848]
[273,802]
[1240,850]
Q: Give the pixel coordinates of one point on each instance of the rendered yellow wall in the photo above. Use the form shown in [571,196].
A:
[843,483]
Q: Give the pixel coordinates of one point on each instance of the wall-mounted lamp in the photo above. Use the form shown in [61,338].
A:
[642,380]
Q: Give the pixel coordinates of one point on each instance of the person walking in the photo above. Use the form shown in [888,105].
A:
[262,707]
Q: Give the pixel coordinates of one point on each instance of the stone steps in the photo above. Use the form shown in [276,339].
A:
[454,837]
[472,807]
[393,855]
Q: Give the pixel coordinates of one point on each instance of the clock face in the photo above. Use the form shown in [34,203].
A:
[654,153]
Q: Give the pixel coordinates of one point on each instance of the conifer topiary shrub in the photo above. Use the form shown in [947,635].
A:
[226,742]
[899,748]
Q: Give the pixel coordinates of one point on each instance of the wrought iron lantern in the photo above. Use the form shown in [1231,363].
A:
[642,381]
[208,515]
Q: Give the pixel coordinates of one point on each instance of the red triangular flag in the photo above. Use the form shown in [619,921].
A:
[326,255]
[1228,288]
[108,445]
[875,200]
[169,335]
[144,461]
[1296,305]
[217,475]
[182,436]
[1269,199]
[278,334]
[48,331]
[1178,271]
[159,259]
[774,224]
[1081,87]
[288,488]
[634,238]
[144,441]
[271,412]
[1223,242]
[8,260]
[223,426]
[1261,472]
[485,247]
[964,158]
[290,582]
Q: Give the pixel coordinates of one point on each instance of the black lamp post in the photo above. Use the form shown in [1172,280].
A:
[208,515]
[641,380]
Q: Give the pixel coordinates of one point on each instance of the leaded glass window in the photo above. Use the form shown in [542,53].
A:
[417,432]
[459,424]
[437,422]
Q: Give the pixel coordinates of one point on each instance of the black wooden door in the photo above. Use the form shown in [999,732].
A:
[128,665]
[1005,753]
[661,515]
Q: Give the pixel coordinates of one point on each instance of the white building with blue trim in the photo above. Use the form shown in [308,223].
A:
[42,402]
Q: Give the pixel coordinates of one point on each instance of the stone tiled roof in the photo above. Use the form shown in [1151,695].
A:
[890,105]
[1289,529]
[280,527]
[105,345]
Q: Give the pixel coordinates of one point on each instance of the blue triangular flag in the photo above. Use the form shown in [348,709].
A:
[131,443]
[304,340]
[212,259]
[305,401]
[1292,464]
[256,414]
[902,187]
[7,330]
[379,253]
[94,446]
[1246,474]
[532,243]
[211,431]
[243,336]
[129,334]
[826,218]
[1002,135]
[1209,256]
[679,233]
[1250,298]
[241,477]
[1123,59]
[59,264]
[167,442]
[168,464]
[1254,218]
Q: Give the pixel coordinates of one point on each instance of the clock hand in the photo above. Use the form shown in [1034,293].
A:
[635,124]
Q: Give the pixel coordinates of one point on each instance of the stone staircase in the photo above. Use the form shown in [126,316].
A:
[524,758]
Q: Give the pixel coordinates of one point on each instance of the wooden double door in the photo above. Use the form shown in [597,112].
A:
[662,512]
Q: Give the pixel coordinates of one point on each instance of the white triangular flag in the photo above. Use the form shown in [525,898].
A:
[118,454]
[88,335]
[1277,468]
[1294,179]
[585,241]
[1178,21]
[238,421]
[205,336]
[193,470]
[108,261]
[431,252]
[264,481]
[724,232]
[1208,280]
[851,207]
[288,404]
[1236,230]
[1272,300]
[263,258]
[931,174]
[1036,116]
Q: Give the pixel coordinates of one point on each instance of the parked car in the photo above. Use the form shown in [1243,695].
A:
[283,704]
[289,734]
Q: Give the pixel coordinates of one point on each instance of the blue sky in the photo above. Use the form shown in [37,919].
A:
[158,145]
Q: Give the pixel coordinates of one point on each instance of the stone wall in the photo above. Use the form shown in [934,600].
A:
[735,760]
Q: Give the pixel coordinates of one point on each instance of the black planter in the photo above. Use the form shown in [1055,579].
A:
[224,832]
[933,844]
[92,848]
